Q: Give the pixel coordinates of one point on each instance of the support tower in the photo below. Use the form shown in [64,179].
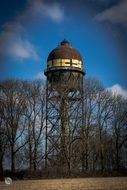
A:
[64,107]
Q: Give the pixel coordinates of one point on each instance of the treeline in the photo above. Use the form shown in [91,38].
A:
[100,148]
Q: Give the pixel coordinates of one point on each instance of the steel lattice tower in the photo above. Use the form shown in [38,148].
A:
[64,105]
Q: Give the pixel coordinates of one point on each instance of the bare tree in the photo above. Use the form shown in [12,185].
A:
[13,116]
[104,111]
[119,128]
[3,137]
[91,89]
[86,129]
[35,113]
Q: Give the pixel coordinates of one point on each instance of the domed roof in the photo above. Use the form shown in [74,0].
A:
[64,51]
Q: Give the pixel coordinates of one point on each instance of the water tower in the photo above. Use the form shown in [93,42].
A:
[64,105]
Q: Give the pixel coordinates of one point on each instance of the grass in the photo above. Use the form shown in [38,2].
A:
[108,183]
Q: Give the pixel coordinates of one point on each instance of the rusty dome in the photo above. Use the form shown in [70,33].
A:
[64,51]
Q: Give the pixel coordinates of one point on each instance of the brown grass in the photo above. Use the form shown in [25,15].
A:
[113,183]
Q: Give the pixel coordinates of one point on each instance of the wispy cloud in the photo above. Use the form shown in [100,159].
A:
[118,90]
[40,76]
[115,14]
[39,8]
[55,12]
[13,43]
[23,49]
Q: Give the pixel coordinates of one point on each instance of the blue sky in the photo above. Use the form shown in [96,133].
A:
[30,29]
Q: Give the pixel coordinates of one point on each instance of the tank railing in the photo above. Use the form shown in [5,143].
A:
[62,67]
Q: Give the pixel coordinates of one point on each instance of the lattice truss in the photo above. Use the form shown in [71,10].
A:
[64,114]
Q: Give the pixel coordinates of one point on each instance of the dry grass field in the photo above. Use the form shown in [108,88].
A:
[113,183]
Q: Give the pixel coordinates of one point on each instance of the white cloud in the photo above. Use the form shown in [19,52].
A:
[14,43]
[115,14]
[55,12]
[39,8]
[40,75]
[13,40]
[23,49]
[118,90]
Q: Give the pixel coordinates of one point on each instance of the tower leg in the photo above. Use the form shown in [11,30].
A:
[64,115]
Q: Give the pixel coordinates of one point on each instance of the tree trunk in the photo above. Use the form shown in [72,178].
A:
[35,158]
[30,156]
[86,155]
[12,160]
[117,155]
[102,158]
[1,164]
